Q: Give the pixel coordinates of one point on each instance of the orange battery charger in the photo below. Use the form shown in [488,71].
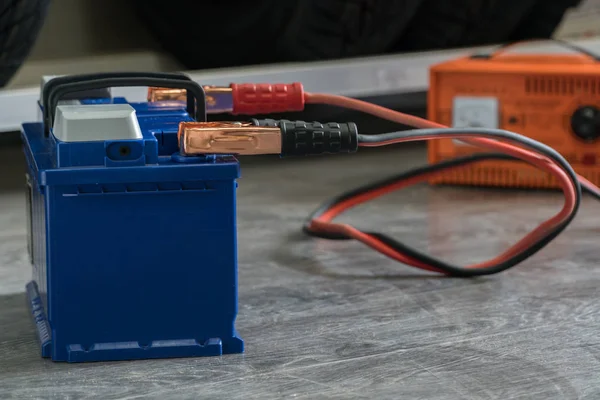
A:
[553,98]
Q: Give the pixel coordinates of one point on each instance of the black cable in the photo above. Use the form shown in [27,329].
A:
[455,162]
[440,133]
[494,133]
[578,49]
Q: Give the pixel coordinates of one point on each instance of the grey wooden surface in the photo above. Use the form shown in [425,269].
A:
[334,320]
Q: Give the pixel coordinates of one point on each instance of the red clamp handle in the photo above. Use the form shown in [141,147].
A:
[266,98]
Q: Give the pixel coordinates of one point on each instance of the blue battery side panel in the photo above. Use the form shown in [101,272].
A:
[36,290]
[132,262]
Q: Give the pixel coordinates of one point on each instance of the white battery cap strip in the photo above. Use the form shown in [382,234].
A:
[96,122]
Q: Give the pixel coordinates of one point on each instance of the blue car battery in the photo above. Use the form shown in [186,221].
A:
[133,245]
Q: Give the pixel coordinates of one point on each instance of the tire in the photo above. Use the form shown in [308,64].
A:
[203,35]
[334,29]
[543,19]
[464,23]
[20,24]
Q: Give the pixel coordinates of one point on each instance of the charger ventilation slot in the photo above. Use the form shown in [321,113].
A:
[560,86]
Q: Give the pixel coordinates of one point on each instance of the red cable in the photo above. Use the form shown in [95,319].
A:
[324,223]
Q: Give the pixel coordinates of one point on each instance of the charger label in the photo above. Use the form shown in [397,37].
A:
[475,112]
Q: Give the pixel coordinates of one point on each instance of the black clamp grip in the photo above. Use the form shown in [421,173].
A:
[57,88]
[299,138]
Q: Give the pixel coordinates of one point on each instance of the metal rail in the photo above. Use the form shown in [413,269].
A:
[369,77]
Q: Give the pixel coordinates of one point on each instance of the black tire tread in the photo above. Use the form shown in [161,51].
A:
[296,30]
[543,19]
[306,30]
[325,29]
[20,23]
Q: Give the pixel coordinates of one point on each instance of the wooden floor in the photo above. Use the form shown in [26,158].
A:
[334,320]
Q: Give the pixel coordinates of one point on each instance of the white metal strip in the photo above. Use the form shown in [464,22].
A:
[361,77]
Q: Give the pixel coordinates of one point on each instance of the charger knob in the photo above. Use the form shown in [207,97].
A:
[585,123]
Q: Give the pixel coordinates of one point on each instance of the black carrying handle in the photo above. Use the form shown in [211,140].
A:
[61,80]
[56,88]
[51,84]
[490,54]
